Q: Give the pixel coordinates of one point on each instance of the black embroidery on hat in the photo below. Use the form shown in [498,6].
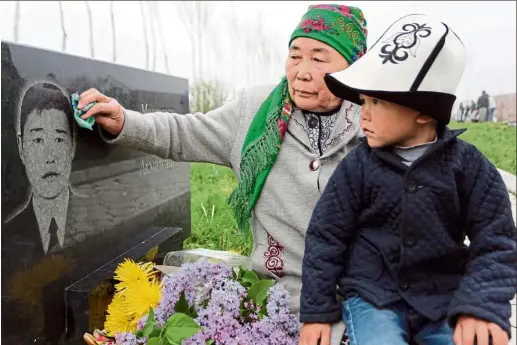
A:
[397,47]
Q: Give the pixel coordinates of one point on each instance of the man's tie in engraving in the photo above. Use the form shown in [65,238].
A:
[53,235]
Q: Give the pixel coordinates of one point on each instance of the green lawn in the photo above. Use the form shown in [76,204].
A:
[213,225]
[496,140]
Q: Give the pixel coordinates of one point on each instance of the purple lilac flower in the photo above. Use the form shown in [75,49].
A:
[268,332]
[196,280]
[227,295]
[220,317]
[278,309]
[203,277]
[125,338]
[197,339]
[141,323]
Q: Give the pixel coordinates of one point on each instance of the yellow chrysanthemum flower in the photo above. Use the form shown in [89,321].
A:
[129,272]
[117,320]
[136,293]
[140,297]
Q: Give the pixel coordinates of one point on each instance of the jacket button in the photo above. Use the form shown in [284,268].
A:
[411,187]
[314,165]
[409,241]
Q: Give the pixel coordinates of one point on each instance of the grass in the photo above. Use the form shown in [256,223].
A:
[495,139]
[214,227]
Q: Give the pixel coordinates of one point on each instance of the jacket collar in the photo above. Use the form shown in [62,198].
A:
[386,154]
[447,135]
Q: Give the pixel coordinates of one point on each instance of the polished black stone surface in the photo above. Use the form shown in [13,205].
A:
[73,206]
[86,299]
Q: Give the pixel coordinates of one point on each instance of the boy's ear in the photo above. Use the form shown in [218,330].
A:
[423,119]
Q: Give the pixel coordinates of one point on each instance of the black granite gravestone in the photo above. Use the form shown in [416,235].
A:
[74,207]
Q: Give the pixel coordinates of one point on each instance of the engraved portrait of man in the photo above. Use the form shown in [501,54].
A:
[46,146]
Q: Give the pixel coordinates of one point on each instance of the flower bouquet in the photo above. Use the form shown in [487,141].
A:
[205,303]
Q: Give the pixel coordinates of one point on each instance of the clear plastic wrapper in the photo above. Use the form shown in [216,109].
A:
[178,258]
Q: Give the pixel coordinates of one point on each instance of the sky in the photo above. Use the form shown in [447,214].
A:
[245,43]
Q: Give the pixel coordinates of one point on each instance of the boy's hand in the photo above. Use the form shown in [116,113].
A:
[312,332]
[471,328]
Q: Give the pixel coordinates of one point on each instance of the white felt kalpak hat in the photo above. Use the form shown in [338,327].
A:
[418,62]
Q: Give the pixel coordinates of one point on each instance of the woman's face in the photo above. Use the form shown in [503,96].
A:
[308,62]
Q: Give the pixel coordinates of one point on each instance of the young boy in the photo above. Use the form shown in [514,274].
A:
[390,226]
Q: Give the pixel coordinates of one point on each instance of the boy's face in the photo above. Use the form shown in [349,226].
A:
[385,123]
[47,152]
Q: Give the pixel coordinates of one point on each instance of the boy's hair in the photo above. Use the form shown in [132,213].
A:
[44,96]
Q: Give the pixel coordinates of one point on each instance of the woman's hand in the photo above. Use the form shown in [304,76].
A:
[311,333]
[108,113]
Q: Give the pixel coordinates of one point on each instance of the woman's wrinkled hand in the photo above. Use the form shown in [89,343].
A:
[315,334]
[108,113]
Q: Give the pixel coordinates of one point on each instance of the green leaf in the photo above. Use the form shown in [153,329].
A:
[210,341]
[250,276]
[157,332]
[182,305]
[153,341]
[149,324]
[259,290]
[139,334]
[263,310]
[262,313]
[192,312]
[241,273]
[180,327]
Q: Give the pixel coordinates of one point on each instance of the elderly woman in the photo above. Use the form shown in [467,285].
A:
[283,141]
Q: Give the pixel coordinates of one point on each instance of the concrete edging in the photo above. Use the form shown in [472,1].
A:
[510,180]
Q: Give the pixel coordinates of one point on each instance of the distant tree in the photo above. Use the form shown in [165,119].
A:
[113,33]
[142,14]
[163,43]
[63,30]
[89,11]
[17,22]
[153,34]
[194,15]
[206,95]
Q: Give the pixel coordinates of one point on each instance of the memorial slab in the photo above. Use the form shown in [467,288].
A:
[73,206]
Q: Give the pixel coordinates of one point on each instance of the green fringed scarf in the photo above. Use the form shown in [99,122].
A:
[259,151]
[341,27]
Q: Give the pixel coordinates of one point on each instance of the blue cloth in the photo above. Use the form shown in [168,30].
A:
[395,325]
[391,232]
[88,123]
[491,112]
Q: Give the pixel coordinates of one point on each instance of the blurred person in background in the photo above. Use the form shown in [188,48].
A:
[482,107]
[491,108]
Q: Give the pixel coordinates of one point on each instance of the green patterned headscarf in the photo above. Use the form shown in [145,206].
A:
[341,27]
